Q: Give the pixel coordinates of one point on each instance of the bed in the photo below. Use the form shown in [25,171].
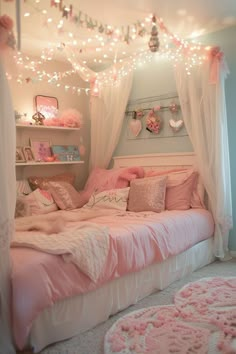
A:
[145,252]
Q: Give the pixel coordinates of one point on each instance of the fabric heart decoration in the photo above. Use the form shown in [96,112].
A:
[176,125]
[135,126]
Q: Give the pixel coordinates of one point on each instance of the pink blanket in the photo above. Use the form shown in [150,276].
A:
[136,241]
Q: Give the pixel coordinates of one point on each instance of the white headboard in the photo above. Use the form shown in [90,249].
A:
[163,161]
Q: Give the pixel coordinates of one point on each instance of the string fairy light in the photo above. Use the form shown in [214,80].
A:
[103,45]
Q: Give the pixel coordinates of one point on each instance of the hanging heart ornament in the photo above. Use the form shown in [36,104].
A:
[176,125]
[135,126]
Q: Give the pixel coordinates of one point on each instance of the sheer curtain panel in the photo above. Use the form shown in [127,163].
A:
[7,207]
[202,99]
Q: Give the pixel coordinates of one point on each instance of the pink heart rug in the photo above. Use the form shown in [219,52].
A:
[202,320]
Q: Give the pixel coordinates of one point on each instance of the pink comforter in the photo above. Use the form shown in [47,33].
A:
[136,241]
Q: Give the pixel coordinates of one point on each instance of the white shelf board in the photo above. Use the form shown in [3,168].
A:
[48,163]
[24,126]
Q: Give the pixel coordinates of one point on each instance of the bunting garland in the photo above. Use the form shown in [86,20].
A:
[124,33]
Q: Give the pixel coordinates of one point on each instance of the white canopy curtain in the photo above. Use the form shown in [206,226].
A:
[7,207]
[109,95]
[107,115]
[202,99]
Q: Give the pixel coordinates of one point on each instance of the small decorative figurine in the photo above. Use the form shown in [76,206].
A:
[39,118]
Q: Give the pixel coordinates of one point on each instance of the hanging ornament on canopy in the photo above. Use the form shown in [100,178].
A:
[154,40]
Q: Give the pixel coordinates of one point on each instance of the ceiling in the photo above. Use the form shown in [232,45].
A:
[40,33]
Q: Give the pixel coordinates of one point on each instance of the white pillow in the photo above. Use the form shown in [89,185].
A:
[110,199]
[35,203]
[23,187]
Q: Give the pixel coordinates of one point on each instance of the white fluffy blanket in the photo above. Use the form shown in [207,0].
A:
[85,244]
[56,221]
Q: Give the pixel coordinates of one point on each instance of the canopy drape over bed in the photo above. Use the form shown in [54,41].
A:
[202,99]
[204,112]
[7,207]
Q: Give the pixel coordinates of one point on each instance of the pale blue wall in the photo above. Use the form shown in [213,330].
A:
[152,79]
[157,78]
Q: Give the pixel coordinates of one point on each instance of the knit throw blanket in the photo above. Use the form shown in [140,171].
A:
[86,245]
[202,320]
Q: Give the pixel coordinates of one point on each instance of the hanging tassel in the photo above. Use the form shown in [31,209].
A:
[71,10]
[61,5]
[65,12]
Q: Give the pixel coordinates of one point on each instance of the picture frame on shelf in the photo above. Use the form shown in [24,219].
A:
[66,152]
[41,149]
[28,153]
[47,106]
[19,155]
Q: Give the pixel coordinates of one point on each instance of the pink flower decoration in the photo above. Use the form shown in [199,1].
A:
[7,38]
[6,22]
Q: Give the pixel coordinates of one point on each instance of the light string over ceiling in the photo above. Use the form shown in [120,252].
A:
[124,33]
[167,44]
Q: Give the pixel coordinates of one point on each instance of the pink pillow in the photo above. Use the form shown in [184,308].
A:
[39,182]
[147,194]
[179,191]
[101,179]
[65,195]
[178,176]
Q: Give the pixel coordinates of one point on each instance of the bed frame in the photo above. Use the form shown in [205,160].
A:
[72,316]
[165,161]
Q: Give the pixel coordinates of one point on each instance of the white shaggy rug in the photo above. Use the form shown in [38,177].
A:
[92,341]
[201,320]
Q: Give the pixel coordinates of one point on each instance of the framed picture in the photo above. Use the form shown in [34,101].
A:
[41,149]
[46,105]
[66,152]
[28,153]
[20,155]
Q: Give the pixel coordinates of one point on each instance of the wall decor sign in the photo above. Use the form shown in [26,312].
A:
[41,149]
[47,106]
[159,116]
[66,152]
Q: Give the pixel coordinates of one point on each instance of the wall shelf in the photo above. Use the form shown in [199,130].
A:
[23,126]
[48,163]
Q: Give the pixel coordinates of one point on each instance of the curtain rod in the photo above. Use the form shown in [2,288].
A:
[148,109]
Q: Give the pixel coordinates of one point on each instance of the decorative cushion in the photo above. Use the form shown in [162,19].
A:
[147,194]
[198,196]
[111,199]
[35,203]
[179,191]
[177,177]
[65,195]
[40,182]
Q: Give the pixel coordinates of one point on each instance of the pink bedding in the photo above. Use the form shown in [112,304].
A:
[136,241]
